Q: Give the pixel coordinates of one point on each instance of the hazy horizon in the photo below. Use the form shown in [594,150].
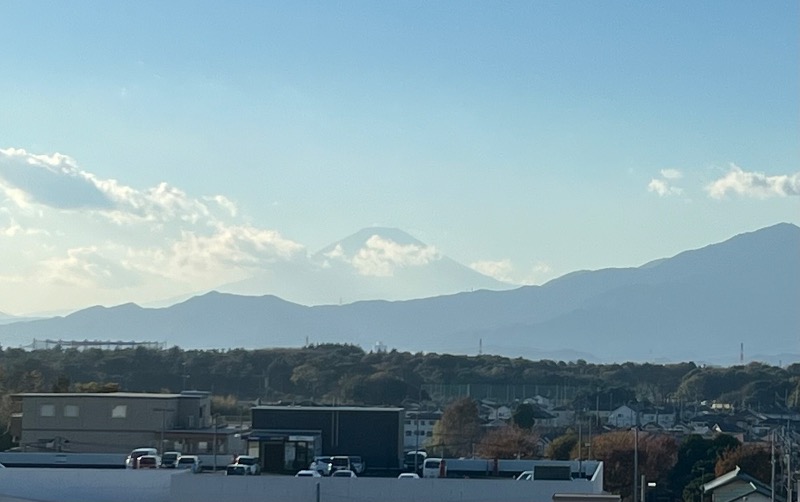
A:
[152,150]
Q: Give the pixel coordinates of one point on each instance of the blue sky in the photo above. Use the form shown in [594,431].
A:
[526,139]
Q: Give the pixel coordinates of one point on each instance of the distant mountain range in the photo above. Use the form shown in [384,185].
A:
[700,305]
[375,262]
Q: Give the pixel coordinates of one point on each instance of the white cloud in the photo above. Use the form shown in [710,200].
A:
[86,267]
[663,186]
[505,271]
[14,229]
[227,251]
[56,182]
[93,240]
[51,180]
[381,257]
[754,184]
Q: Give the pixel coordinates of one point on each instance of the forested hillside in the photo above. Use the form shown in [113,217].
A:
[347,374]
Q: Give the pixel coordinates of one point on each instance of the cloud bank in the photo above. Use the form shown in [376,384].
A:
[83,232]
[754,184]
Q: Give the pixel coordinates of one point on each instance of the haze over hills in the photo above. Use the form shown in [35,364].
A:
[376,262]
[699,305]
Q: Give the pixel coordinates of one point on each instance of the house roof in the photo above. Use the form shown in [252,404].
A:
[327,408]
[737,475]
[103,395]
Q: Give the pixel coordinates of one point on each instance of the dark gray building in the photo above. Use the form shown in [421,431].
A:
[286,438]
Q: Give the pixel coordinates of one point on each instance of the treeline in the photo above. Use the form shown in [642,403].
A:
[347,374]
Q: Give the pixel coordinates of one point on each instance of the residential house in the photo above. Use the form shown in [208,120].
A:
[738,486]
[563,416]
[623,417]
[665,417]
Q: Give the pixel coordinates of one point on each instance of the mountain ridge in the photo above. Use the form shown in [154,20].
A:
[698,305]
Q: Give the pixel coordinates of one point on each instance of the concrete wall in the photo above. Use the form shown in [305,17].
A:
[91,485]
[289,489]
[86,485]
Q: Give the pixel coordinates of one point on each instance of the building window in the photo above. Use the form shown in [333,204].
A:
[408,433]
[47,410]
[119,411]
[71,410]
[429,434]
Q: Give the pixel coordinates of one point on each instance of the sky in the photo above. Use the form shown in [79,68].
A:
[149,149]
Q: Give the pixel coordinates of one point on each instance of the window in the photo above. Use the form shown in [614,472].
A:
[408,433]
[71,410]
[119,411]
[47,410]
[429,434]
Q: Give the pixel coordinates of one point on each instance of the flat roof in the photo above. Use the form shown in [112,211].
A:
[326,408]
[108,395]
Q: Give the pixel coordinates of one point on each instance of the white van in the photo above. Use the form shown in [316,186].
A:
[434,468]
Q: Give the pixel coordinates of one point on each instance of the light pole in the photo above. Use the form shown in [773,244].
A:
[163,426]
[214,445]
[416,450]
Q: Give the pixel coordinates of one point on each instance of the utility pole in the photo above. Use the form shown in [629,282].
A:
[635,464]
[772,460]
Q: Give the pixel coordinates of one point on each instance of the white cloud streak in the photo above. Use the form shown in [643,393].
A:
[754,184]
[505,271]
[381,257]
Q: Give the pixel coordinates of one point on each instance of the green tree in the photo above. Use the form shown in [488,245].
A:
[524,416]
[696,459]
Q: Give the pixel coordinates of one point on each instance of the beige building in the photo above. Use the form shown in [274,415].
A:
[119,422]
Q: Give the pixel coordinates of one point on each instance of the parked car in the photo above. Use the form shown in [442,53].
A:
[414,460]
[408,475]
[168,459]
[339,463]
[192,462]
[344,473]
[322,465]
[235,470]
[308,473]
[357,464]
[131,461]
[148,462]
[252,467]
[434,468]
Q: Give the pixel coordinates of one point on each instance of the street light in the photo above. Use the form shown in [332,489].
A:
[163,425]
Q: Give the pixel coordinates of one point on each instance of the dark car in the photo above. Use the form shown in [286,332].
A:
[169,459]
[236,470]
[148,462]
